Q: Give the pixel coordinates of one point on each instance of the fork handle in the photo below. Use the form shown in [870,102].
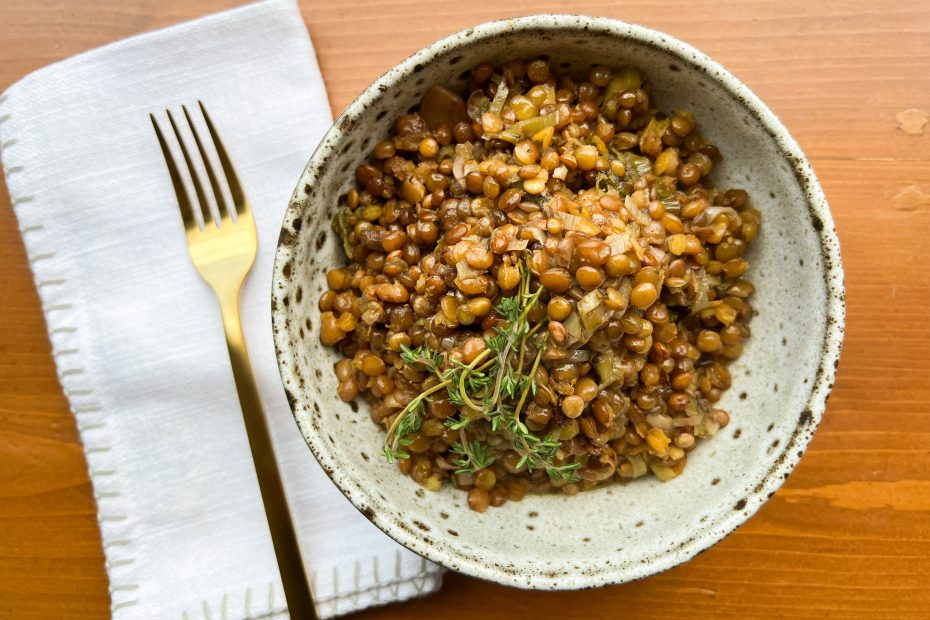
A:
[297,589]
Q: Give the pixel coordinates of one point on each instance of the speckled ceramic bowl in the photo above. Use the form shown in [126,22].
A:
[780,384]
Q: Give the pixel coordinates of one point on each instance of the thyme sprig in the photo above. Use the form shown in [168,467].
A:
[493,387]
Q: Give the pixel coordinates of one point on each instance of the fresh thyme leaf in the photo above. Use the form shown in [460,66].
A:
[412,421]
[497,342]
[509,308]
[475,380]
[421,355]
[496,420]
[392,454]
[477,383]
[563,473]
[475,455]
[458,424]
[509,382]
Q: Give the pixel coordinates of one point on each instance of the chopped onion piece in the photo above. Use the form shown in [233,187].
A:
[609,368]
[657,253]
[669,200]
[618,244]
[478,104]
[569,221]
[578,356]
[627,78]
[710,214]
[596,473]
[464,159]
[500,97]
[650,141]
[464,270]
[703,286]
[636,165]
[660,421]
[638,463]
[591,311]
[538,235]
[573,327]
[708,427]
[512,134]
[638,248]
[691,420]
[663,472]
[532,126]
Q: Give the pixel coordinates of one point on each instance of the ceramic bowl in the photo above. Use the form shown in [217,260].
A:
[780,384]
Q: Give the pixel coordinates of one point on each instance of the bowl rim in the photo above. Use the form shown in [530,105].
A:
[835,306]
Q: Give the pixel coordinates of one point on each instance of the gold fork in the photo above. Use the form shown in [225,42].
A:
[223,252]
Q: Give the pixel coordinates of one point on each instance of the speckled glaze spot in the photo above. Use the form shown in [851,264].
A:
[657,525]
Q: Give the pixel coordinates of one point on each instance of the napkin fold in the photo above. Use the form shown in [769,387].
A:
[137,336]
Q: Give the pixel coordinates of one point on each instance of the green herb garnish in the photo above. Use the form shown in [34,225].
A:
[494,386]
[475,456]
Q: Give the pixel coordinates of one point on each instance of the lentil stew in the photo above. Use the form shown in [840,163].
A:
[543,288]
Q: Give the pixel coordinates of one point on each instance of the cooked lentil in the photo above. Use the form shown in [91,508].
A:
[542,288]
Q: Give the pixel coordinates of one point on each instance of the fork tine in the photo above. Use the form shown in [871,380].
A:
[187,214]
[198,188]
[234,188]
[214,185]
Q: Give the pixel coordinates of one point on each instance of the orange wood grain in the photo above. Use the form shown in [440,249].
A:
[848,536]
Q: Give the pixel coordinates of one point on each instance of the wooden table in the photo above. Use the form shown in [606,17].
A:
[848,536]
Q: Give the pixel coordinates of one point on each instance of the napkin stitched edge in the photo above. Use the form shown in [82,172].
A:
[62,320]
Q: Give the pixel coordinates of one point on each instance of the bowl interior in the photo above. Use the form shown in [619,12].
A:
[779,384]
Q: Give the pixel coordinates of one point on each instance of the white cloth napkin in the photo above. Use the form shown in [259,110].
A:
[137,336]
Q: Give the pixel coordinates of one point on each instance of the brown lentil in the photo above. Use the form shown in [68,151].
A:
[556,280]
[572,406]
[644,295]
[478,499]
